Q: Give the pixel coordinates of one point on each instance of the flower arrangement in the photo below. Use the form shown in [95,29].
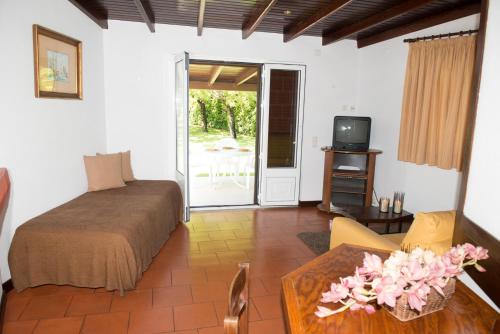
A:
[413,274]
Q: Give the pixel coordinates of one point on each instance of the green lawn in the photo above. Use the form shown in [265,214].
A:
[208,140]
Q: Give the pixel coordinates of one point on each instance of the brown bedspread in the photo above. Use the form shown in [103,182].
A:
[100,239]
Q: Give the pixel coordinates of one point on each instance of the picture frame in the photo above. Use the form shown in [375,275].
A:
[58,64]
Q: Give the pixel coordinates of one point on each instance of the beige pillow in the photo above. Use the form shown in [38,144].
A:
[104,171]
[127,173]
[432,230]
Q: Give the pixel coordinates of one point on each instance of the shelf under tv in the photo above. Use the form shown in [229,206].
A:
[348,183]
[345,173]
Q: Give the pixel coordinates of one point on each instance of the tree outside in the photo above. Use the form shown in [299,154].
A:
[215,115]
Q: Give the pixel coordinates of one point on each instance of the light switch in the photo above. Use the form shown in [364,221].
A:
[315,141]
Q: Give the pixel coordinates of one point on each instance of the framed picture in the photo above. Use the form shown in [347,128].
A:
[58,64]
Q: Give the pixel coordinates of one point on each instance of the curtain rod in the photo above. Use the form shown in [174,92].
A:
[451,34]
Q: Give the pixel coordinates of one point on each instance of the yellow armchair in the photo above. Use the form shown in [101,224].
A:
[432,230]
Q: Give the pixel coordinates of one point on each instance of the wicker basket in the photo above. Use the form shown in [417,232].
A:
[435,302]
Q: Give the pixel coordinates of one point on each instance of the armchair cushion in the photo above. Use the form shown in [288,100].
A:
[433,230]
[348,231]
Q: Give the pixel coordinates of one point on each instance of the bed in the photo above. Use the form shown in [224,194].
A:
[100,239]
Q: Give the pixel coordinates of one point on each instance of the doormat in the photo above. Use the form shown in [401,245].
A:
[318,242]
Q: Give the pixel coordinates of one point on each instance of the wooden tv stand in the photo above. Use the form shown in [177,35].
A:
[347,188]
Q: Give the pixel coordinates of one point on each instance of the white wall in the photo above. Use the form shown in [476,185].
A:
[381,75]
[139,85]
[485,161]
[42,140]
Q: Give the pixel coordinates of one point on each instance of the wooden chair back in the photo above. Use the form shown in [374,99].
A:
[236,320]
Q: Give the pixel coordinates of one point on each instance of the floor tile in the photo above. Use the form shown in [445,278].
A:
[133,300]
[15,306]
[212,246]
[256,288]
[269,307]
[211,330]
[19,327]
[172,296]
[221,272]
[90,304]
[222,235]
[195,316]
[109,323]
[203,259]
[155,278]
[272,284]
[209,292]
[151,321]
[188,276]
[44,307]
[59,326]
[185,288]
[271,326]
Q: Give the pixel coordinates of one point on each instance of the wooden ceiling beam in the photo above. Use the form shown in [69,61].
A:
[255,19]
[96,14]
[423,23]
[201,17]
[194,84]
[296,29]
[331,36]
[214,74]
[146,14]
[245,76]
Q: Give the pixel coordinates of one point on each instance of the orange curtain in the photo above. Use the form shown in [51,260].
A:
[436,101]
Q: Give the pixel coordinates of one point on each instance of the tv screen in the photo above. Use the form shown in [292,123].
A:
[351,133]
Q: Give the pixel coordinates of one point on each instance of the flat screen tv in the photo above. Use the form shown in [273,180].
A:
[351,133]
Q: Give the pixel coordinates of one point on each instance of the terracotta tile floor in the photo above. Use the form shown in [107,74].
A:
[185,289]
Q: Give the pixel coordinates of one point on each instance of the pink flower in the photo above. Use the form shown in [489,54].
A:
[414,271]
[372,265]
[417,295]
[360,294]
[354,281]
[387,291]
[451,268]
[479,268]
[337,292]
[324,312]
[367,307]
[478,253]
[456,254]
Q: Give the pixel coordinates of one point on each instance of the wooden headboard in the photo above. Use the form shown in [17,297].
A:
[465,229]
[4,193]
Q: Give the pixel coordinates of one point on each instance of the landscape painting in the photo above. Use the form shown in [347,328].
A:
[58,64]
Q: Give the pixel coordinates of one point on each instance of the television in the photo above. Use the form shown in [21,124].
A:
[351,133]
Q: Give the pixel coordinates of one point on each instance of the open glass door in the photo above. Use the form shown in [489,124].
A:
[281,134]
[182,129]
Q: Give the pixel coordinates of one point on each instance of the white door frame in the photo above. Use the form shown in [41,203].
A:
[182,176]
[280,186]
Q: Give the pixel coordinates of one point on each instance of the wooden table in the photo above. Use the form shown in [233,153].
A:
[372,215]
[302,288]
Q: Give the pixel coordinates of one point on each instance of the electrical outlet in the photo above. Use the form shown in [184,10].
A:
[315,141]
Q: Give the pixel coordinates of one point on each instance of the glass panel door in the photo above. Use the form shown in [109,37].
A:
[182,130]
[281,135]
[282,129]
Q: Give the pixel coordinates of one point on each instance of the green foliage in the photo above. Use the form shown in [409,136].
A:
[217,104]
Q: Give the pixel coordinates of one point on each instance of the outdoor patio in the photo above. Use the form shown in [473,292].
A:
[221,174]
